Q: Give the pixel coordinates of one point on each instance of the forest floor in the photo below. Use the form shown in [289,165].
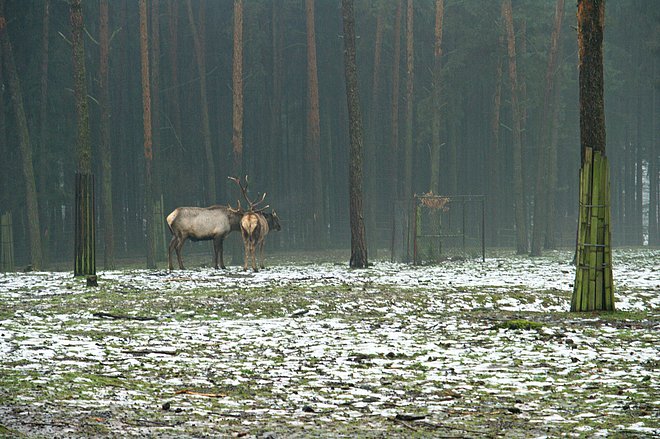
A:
[461,349]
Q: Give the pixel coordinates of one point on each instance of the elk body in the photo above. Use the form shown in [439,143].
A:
[201,224]
[254,228]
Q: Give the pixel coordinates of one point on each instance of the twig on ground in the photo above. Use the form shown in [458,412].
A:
[107,315]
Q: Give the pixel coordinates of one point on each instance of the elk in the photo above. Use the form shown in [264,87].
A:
[255,225]
[202,224]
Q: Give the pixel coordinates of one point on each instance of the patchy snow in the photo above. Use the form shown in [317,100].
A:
[321,347]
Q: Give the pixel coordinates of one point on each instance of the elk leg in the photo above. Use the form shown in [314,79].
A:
[246,248]
[221,245]
[217,243]
[178,248]
[261,250]
[171,248]
[254,256]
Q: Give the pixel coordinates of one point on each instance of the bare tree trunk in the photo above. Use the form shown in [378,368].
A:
[15,92]
[394,145]
[372,166]
[410,77]
[494,201]
[593,286]
[276,103]
[237,87]
[520,221]
[543,169]
[437,97]
[85,249]
[358,236]
[313,144]
[173,108]
[198,38]
[148,147]
[154,68]
[43,132]
[106,153]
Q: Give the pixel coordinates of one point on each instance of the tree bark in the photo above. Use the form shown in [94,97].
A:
[410,77]
[237,88]
[313,144]
[85,249]
[32,203]
[43,164]
[520,221]
[495,155]
[198,39]
[543,170]
[148,145]
[593,287]
[106,153]
[437,97]
[358,236]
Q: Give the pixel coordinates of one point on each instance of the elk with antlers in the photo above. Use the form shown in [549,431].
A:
[255,225]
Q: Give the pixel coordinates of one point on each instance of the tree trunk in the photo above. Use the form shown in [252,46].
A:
[437,98]
[237,88]
[520,221]
[42,185]
[372,167]
[148,147]
[543,169]
[593,286]
[32,204]
[654,153]
[394,143]
[106,154]
[410,77]
[198,39]
[85,250]
[154,68]
[313,144]
[495,156]
[173,108]
[358,237]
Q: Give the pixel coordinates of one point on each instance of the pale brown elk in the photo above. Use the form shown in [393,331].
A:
[255,225]
[202,224]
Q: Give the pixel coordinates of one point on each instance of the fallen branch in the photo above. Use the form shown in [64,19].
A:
[152,351]
[107,315]
[192,392]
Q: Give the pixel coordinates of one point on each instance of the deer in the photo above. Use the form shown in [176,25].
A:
[255,225]
[202,224]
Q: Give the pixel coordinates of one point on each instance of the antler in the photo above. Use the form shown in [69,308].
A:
[252,204]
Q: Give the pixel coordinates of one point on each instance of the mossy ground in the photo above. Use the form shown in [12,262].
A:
[321,350]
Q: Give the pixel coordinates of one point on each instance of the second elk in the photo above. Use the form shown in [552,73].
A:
[255,225]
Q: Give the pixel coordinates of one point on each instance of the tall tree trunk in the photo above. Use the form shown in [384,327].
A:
[358,236]
[550,240]
[154,68]
[372,167]
[276,103]
[410,77]
[313,144]
[85,248]
[198,39]
[543,170]
[15,92]
[148,145]
[173,108]
[520,221]
[394,143]
[106,154]
[593,286]
[495,156]
[42,189]
[237,88]
[654,229]
[437,97]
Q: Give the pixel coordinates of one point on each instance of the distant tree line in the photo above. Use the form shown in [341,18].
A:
[457,97]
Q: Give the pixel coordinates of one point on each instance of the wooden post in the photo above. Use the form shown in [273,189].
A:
[85,245]
[6,243]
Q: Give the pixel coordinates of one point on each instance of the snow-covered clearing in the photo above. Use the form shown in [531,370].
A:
[463,349]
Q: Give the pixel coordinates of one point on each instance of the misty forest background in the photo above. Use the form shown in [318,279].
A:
[442,119]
